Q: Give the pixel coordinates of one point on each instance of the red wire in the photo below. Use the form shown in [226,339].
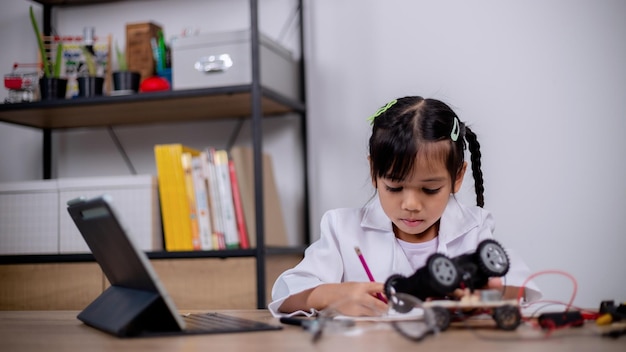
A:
[520,293]
[551,327]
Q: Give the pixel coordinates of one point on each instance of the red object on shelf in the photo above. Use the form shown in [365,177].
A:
[13,83]
[22,76]
[154,84]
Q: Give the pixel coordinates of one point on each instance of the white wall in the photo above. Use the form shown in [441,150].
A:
[27,141]
[541,82]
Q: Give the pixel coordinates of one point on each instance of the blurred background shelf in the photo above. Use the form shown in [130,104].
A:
[145,108]
[246,268]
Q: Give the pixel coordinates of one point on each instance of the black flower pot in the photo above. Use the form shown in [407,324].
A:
[52,88]
[126,81]
[90,86]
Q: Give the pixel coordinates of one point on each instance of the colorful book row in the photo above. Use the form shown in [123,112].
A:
[205,205]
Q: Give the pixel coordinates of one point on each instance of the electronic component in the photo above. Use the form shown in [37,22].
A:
[554,320]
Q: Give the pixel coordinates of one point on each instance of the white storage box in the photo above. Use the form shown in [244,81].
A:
[224,59]
[135,199]
[29,217]
[34,217]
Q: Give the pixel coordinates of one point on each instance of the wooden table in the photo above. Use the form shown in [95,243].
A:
[52,331]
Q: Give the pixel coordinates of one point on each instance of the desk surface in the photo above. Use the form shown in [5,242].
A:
[61,331]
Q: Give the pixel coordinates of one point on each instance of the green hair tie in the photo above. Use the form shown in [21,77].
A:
[381,110]
[456,130]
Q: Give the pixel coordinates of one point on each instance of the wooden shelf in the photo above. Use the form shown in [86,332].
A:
[88,257]
[73,2]
[146,108]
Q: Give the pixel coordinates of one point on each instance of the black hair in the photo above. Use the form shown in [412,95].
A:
[407,125]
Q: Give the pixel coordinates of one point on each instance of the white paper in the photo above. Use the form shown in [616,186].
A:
[391,315]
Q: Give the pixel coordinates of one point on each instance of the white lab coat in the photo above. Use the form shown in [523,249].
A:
[332,258]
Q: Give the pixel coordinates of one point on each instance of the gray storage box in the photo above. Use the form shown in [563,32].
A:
[224,59]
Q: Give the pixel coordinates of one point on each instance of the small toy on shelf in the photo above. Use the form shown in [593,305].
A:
[22,83]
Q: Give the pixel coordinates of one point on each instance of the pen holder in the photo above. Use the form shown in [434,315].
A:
[165,73]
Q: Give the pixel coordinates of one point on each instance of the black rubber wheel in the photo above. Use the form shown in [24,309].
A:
[390,284]
[507,317]
[492,259]
[444,273]
[395,300]
[442,317]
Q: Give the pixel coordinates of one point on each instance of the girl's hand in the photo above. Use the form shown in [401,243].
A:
[349,298]
[495,283]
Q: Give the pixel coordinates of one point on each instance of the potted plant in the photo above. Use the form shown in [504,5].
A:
[51,85]
[124,81]
[89,83]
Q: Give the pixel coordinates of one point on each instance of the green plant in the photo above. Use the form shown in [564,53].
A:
[56,72]
[90,61]
[122,65]
[58,60]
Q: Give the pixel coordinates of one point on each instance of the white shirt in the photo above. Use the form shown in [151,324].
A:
[419,252]
[332,258]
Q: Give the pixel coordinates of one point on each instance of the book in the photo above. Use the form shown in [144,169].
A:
[231,236]
[274,223]
[215,207]
[244,243]
[175,210]
[185,159]
[202,204]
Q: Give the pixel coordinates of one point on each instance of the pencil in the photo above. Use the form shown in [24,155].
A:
[368,272]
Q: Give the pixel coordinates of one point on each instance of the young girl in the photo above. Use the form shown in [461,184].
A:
[416,157]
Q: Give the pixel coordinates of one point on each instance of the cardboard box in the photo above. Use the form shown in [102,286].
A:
[225,59]
[34,217]
[29,217]
[138,48]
